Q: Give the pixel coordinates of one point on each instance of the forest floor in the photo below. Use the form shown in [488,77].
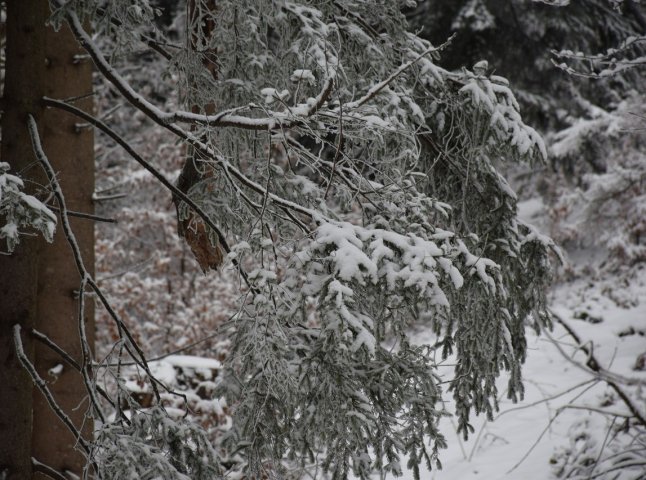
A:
[531,439]
[567,418]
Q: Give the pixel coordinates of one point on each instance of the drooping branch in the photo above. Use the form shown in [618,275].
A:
[289,205]
[166,120]
[140,160]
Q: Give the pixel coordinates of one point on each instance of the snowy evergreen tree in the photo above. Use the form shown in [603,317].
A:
[486,29]
[350,184]
[578,76]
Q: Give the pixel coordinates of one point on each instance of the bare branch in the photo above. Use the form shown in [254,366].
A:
[156,173]
[76,251]
[593,364]
[87,216]
[42,386]
[86,367]
[47,470]
[45,340]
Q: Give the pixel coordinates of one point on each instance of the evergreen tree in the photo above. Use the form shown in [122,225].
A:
[349,182]
[578,69]
[487,29]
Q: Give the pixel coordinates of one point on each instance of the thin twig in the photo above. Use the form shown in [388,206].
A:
[131,341]
[339,150]
[603,446]
[105,198]
[45,340]
[547,399]
[86,367]
[40,467]
[621,466]
[173,352]
[552,419]
[42,386]
[87,216]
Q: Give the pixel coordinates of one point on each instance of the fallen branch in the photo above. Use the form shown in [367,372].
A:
[593,364]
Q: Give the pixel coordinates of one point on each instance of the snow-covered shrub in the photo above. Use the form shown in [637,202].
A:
[619,455]
[151,445]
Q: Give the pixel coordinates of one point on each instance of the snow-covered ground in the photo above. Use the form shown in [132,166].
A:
[524,439]
[549,431]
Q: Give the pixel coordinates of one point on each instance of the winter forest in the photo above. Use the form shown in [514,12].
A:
[323,239]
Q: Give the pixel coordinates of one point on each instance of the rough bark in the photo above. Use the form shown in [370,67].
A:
[70,148]
[23,88]
[193,229]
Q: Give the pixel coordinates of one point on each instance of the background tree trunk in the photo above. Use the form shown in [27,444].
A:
[70,148]
[23,88]
[201,24]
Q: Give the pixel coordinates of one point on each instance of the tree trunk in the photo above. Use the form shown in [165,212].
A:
[70,149]
[201,24]
[38,281]
[23,88]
